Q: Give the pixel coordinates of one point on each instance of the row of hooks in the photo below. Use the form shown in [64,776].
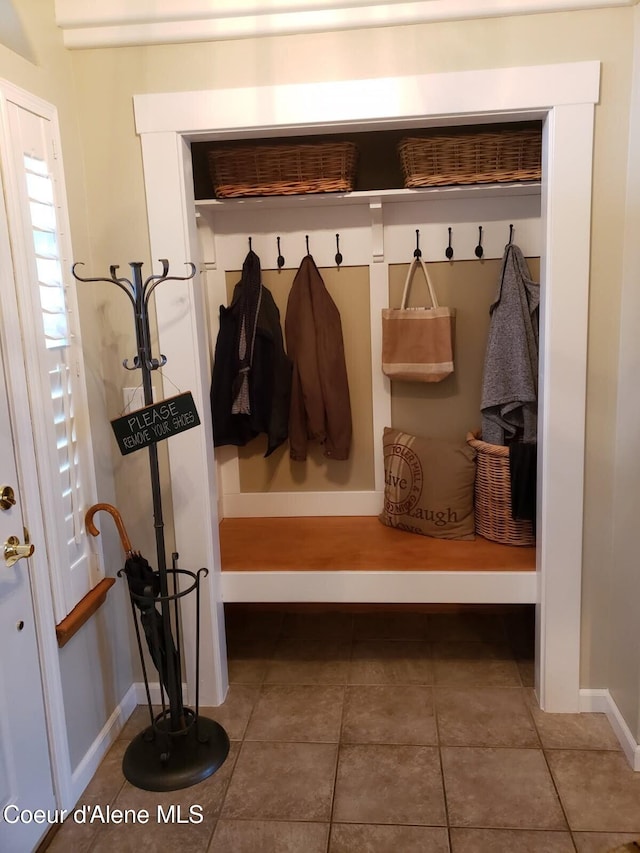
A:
[280,259]
[479,251]
[448,252]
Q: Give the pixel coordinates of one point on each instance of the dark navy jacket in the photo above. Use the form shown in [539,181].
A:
[269,379]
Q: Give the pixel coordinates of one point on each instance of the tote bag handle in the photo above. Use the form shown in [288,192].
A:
[410,273]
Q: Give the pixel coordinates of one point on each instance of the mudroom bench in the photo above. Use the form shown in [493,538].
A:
[352,559]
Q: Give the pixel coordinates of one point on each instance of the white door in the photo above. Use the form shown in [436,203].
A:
[25,771]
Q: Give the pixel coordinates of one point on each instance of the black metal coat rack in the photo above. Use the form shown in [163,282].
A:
[180,747]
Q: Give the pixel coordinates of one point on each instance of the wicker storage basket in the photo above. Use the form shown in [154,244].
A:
[283,169]
[493,496]
[471,158]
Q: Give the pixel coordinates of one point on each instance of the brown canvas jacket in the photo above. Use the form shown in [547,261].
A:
[320,404]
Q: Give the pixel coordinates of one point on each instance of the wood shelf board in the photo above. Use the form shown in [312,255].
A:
[356,543]
[461,191]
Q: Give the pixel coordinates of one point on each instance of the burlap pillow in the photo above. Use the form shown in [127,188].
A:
[428,485]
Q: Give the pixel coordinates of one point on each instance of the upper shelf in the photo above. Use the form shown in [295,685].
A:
[475,191]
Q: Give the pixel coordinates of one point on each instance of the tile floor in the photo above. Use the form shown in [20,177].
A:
[384,732]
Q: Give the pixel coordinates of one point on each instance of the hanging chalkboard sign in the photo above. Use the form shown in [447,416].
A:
[155,423]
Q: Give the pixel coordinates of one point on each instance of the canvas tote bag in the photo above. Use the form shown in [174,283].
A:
[417,343]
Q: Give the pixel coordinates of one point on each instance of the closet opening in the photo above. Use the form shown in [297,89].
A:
[563,98]
[326,511]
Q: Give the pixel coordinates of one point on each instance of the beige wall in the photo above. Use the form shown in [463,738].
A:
[96,663]
[107,79]
[624,670]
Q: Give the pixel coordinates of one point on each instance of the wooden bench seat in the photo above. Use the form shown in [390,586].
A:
[352,559]
[355,543]
[356,559]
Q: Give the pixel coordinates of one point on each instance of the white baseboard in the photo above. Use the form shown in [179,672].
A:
[601,701]
[279,504]
[86,769]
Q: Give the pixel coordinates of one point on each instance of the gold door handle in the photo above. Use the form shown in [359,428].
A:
[14,551]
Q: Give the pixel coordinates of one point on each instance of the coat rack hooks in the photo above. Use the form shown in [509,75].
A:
[250,249]
[479,249]
[280,259]
[338,253]
[306,237]
[449,250]
[139,292]
[510,235]
[417,252]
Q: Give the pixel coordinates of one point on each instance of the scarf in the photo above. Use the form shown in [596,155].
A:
[249,298]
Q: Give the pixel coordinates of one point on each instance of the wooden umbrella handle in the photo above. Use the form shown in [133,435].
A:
[93,530]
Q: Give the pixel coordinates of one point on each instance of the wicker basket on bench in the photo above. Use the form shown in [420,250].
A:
[269,170]
[493,496]
[471,158]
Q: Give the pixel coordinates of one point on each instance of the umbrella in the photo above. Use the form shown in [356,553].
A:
[144,581]
[144,587]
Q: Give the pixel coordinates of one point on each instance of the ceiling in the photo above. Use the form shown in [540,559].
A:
[108,23]
[12,32]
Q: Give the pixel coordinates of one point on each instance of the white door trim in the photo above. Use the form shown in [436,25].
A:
[19,406]
[420,100]
[564,95]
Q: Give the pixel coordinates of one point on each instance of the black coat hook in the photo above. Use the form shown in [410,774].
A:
[449,250]
[479,249]
[338,253]
[510,235]
[417,253]
[250,249]
[306,237]
[280,260]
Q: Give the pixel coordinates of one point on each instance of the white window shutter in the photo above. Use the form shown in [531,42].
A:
[49,322]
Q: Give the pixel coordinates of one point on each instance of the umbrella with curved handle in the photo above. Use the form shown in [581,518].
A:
[144,586]
[93,530]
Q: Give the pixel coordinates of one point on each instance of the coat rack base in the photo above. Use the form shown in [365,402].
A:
[193,757]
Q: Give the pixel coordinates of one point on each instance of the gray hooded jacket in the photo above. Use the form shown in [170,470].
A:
[510,383]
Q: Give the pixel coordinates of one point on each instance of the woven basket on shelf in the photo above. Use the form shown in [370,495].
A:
[283,169]
[493,496]
[471,158]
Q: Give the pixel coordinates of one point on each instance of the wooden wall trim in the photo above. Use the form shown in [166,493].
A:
[83,610]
